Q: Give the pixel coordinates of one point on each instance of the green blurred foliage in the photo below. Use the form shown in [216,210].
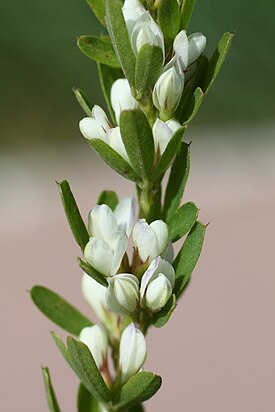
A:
[40,63]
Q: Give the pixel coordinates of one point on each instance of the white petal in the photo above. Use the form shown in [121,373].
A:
[125,214]
[162,135]
[150,274]
[102,223]
[122,295]
[121,97]
[97,342]
[158,293]
[101,118]
[168,253]
[162,235]
[146,31]
[181,46]
[118,242]
[114,139]
[145,241]
[99,255]
[197,43]
[173,125]
[91,129]
[94,293]
[168,90]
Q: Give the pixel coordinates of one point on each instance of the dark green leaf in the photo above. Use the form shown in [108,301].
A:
[217,60]
[85,401]
[186,13]
[137,408]
[118,32]
[169,18]
[87,370]
[183,220]
[177,181]
[148,67]
[138,140]
[83,101]
[109,198]
[138,389]
[169,153]
[161,318]
[98,7]
[193,106]
[59,310]
[73,215]
[89,270]
[51,398]
[107,76]
[114,160]
[99,49]
[188,257]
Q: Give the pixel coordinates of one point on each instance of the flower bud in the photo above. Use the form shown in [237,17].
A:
[188,49]
[197,43]
[168,90]
[163,132]
[121,97]
[123,293]
[114,139]
[96,126]
[97,342]
[157,285]
[132,352]
[150,240]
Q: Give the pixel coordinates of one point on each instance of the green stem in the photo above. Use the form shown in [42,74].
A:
[150,202]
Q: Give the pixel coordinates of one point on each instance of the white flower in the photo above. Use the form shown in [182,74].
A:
[114,139]
[96,340]
[168,89]
[157,285]
[96,126]
[150,240]
[121,97]
[123,293]
[188,49]
[163,132]
[132,352]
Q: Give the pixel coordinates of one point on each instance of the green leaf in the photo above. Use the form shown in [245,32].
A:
[169,153]
[138,389]
[169,18]
[83,101]
[193,106]
[98,7]
[99,49]
[85,401]
[217,60]
[137,408]
[183,220]
[161,318]
[186,13]
[63,349]
[87,370]
[118,32]
[89,270]
[148,67]
[107,76]
[188,257]
[59,310]
[138,140]
[114,160]
[73,215]
[177,181]
[51,398]
[109,198]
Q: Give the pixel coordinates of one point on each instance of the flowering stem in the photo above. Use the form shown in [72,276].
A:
[150,202]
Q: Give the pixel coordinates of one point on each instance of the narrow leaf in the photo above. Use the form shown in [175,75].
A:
[98,7]
[109,198]
[99,49]
[85,401]
[169,18]
[161,318]
[87,370]
[177,182]
[83,101]
[63,349]
[114,160]
[73,215]
[118,32]
[138,140]
[183,220]
[188,257]
[51,398]
[138,389]
[59,310]
[186,13]
[169,153]
[89,270]
[217,60]
[193,106]
[148,67]
[107,76]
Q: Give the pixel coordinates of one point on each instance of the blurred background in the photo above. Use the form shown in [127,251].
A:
[217,353]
